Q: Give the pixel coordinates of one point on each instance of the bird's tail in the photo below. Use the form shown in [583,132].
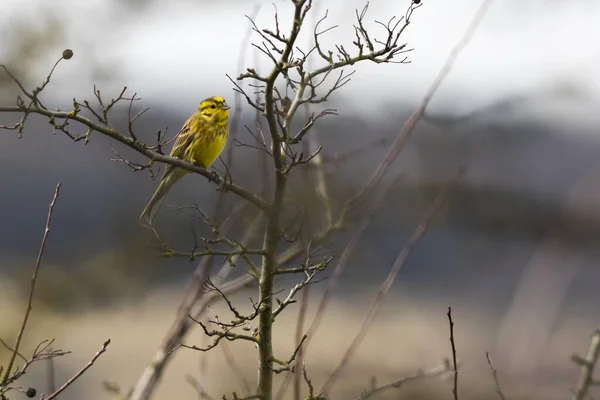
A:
[163,189]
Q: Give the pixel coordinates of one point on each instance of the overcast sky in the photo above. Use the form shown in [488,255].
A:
[179,51]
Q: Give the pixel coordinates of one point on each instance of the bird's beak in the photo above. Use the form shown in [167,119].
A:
[225,106]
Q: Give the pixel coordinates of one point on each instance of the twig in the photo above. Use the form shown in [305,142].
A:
[495,376]
[587,364]
[40,353]
[287,365]
[333,280]
[193,299]
[228,159]
[410,124]
[38,262]
[155,156]
[80,372]
[281,49]
[401,138]
[153,372]
[343,260]
[387,284]
[455,383]
[395,384]
[311,388]
[235,121]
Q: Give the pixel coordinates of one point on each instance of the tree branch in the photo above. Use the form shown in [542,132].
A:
[587,364]
[223,184]
[8,371]
[79,373]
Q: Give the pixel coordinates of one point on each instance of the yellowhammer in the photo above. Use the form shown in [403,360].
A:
[200,141]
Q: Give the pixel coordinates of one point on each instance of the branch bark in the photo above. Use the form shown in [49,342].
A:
[586,379]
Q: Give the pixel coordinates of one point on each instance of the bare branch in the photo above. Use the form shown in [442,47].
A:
[195,302]
[337,272]
[418,233]
[79,373]
[145,150]
[18,82]
[410,124]
[310,274]
[586,379]
[495,376]
[40,353]
[8,372]
[131,119]
[290,72]
[218,335]
[454,364]
[287,365]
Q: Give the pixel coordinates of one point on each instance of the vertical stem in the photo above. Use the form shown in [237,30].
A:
[273,231]
[269,263]
[451,323]
[267,278]
[265,327]
[298,339]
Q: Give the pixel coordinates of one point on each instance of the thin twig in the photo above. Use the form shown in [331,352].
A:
[145,150]
[38,262]
[495,376]
[387,284]
[40,353]
[410,124]
[333,280]
[455,382]
[80,372]
[400,140]
[235,121]
[194,302]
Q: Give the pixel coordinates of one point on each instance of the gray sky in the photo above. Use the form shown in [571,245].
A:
[179,51]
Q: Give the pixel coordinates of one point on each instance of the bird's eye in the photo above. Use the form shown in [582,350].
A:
[213,106]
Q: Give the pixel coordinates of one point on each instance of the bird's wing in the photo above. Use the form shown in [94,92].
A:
[184,138]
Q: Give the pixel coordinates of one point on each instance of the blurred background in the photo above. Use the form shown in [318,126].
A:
[514,251]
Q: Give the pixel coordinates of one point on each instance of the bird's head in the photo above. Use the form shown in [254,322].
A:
[215,109]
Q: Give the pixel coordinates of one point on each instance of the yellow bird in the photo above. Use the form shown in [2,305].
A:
[200,141]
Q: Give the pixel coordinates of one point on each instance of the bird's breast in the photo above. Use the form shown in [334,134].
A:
[207,152]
